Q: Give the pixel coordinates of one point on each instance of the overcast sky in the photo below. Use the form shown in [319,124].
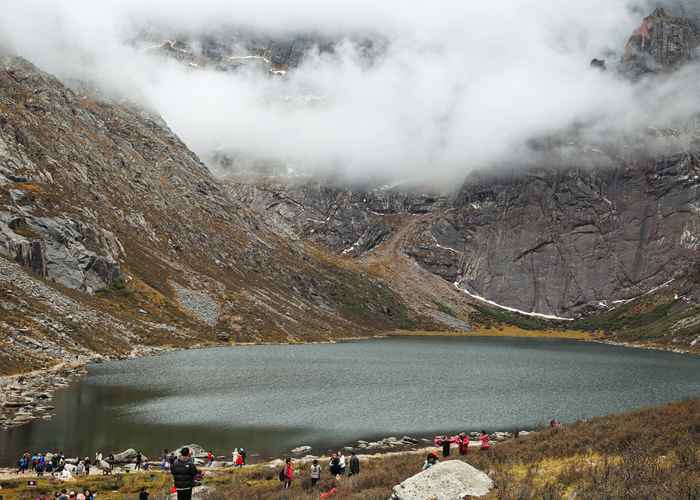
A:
[462,84]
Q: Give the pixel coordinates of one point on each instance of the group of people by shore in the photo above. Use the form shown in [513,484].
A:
[462,441]
[186,476]
[338,467]
[54,464]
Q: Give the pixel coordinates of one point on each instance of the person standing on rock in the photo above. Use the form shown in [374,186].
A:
[184,473]
[244,455]
[485,441]
[139,460]
[210,458]
[354,464]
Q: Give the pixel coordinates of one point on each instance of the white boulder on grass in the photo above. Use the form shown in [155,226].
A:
[450,480]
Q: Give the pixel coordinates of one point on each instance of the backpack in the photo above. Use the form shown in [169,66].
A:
[282,475]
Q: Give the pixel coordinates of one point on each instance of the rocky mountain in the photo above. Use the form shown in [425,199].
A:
[114,236]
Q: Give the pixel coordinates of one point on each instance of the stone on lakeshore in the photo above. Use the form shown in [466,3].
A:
[451,480]
[198,493]
[301,449]
[195,450]
[125,456]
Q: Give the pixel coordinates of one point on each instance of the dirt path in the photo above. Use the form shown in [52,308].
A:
[426,293]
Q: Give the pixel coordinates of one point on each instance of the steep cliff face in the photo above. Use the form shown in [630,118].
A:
[564,242]
[661,43]
[104,211]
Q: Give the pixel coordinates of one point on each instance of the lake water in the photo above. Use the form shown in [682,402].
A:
[270,399]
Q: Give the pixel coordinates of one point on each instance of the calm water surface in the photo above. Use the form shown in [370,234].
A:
[270,399]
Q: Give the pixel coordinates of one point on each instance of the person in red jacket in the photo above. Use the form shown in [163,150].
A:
[484,438]
[239,461]
[463,444]
[288,473]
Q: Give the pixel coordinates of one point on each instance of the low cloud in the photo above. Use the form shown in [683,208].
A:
[457,85]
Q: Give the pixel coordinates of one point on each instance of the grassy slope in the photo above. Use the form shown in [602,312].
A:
[650,453]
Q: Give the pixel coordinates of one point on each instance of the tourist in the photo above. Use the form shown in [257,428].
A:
[210,458]
[39,468]
[244,455]
[80,496]
[88,495]
[554,423]
[354,464]
[430,460]
[143,494]
[87,465]
[463,441]
[80,469]
[446,443]
[484,438]
[341,463]
[234,457]
[184,473]
[315,473]
[288,473]
[334,466]
[98,457]
[239,460]
[63,495]
[22,464]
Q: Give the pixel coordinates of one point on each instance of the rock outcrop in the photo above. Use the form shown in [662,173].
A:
[661,43]
[451,480]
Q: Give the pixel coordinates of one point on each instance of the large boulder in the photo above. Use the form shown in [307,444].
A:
[451,480]
[126,456]
[198,493]
[196,450]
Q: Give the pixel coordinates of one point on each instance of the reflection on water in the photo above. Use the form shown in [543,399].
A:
[270,399]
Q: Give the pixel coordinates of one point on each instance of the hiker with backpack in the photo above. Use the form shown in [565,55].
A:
[286,475]
[184,474]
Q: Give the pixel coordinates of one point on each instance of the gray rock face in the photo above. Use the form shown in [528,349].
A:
[451,480]
[349,220]
[561,242]
[663,42]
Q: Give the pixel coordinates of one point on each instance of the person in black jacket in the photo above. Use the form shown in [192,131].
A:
[354,464]
[184,473]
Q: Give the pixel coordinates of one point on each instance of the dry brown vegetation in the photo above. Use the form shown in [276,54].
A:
[651,453]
